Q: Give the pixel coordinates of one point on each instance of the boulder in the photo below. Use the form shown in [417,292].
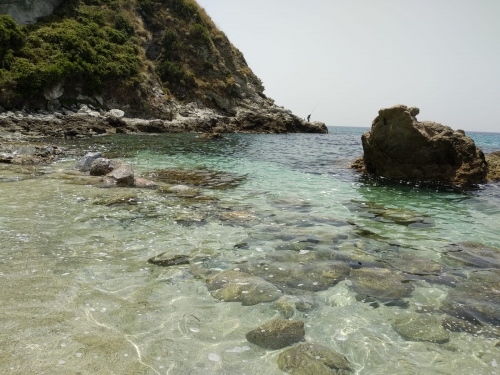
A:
[313,359]
[493,160]
[103,166]
[277,334]
[402,148]
[122,176]
[274,120]
[84,164]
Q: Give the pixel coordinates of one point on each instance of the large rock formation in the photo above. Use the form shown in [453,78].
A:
[400,147]
[162,59]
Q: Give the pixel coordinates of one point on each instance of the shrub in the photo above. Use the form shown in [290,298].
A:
[11,39]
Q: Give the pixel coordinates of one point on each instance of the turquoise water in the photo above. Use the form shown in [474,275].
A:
[78,295]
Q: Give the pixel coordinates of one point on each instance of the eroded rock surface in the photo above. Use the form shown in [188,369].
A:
[402,148]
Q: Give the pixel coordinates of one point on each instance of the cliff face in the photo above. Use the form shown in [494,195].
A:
[133,53]
[149,58]
[28,11]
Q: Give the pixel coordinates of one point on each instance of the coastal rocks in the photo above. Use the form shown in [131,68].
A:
[277,334]
[26,153]
[422,327]
[234,286]
[84,164]
[102,166]
[121,176]
[493,160]
[274,120]
[380,283]
[402,148]
[313,359]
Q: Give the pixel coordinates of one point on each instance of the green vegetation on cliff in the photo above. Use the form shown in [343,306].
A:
[119,49]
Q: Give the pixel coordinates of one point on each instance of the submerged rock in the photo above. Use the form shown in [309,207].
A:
[307,275]
[422,327]
[168,260]
[402,148]
[381,283]
[471,254]
[233,286]
[415,265]
[378,212]
[277,334]
[477,299]
[198,177]
[313,359]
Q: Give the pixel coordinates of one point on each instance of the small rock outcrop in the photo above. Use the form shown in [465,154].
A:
[400,147]
[277,334]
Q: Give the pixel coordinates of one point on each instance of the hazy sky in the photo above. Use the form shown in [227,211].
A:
[353,57]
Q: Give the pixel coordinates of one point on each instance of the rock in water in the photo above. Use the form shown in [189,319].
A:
[103,166]
[313,359]
[493,160]
[400,147]
[233,286]
[277,334]
[122,176]
[84,164]
[422,327]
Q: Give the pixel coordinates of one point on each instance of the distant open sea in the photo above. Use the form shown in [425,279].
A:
[78,295]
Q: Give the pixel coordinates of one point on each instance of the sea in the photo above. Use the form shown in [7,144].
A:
[79,296]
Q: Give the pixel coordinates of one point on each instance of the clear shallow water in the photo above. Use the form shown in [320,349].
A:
[78,295]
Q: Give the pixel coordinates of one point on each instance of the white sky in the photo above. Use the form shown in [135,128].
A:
[353,57]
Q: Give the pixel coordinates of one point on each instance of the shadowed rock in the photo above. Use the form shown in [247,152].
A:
[102,166]
[277,334]
[400,147]
[313,359]
[122,176]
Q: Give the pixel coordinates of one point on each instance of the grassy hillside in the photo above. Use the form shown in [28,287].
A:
[121,50]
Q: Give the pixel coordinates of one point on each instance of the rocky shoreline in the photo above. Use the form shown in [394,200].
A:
[87,121]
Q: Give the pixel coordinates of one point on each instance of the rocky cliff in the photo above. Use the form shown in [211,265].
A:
[28,11]
[145,57]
